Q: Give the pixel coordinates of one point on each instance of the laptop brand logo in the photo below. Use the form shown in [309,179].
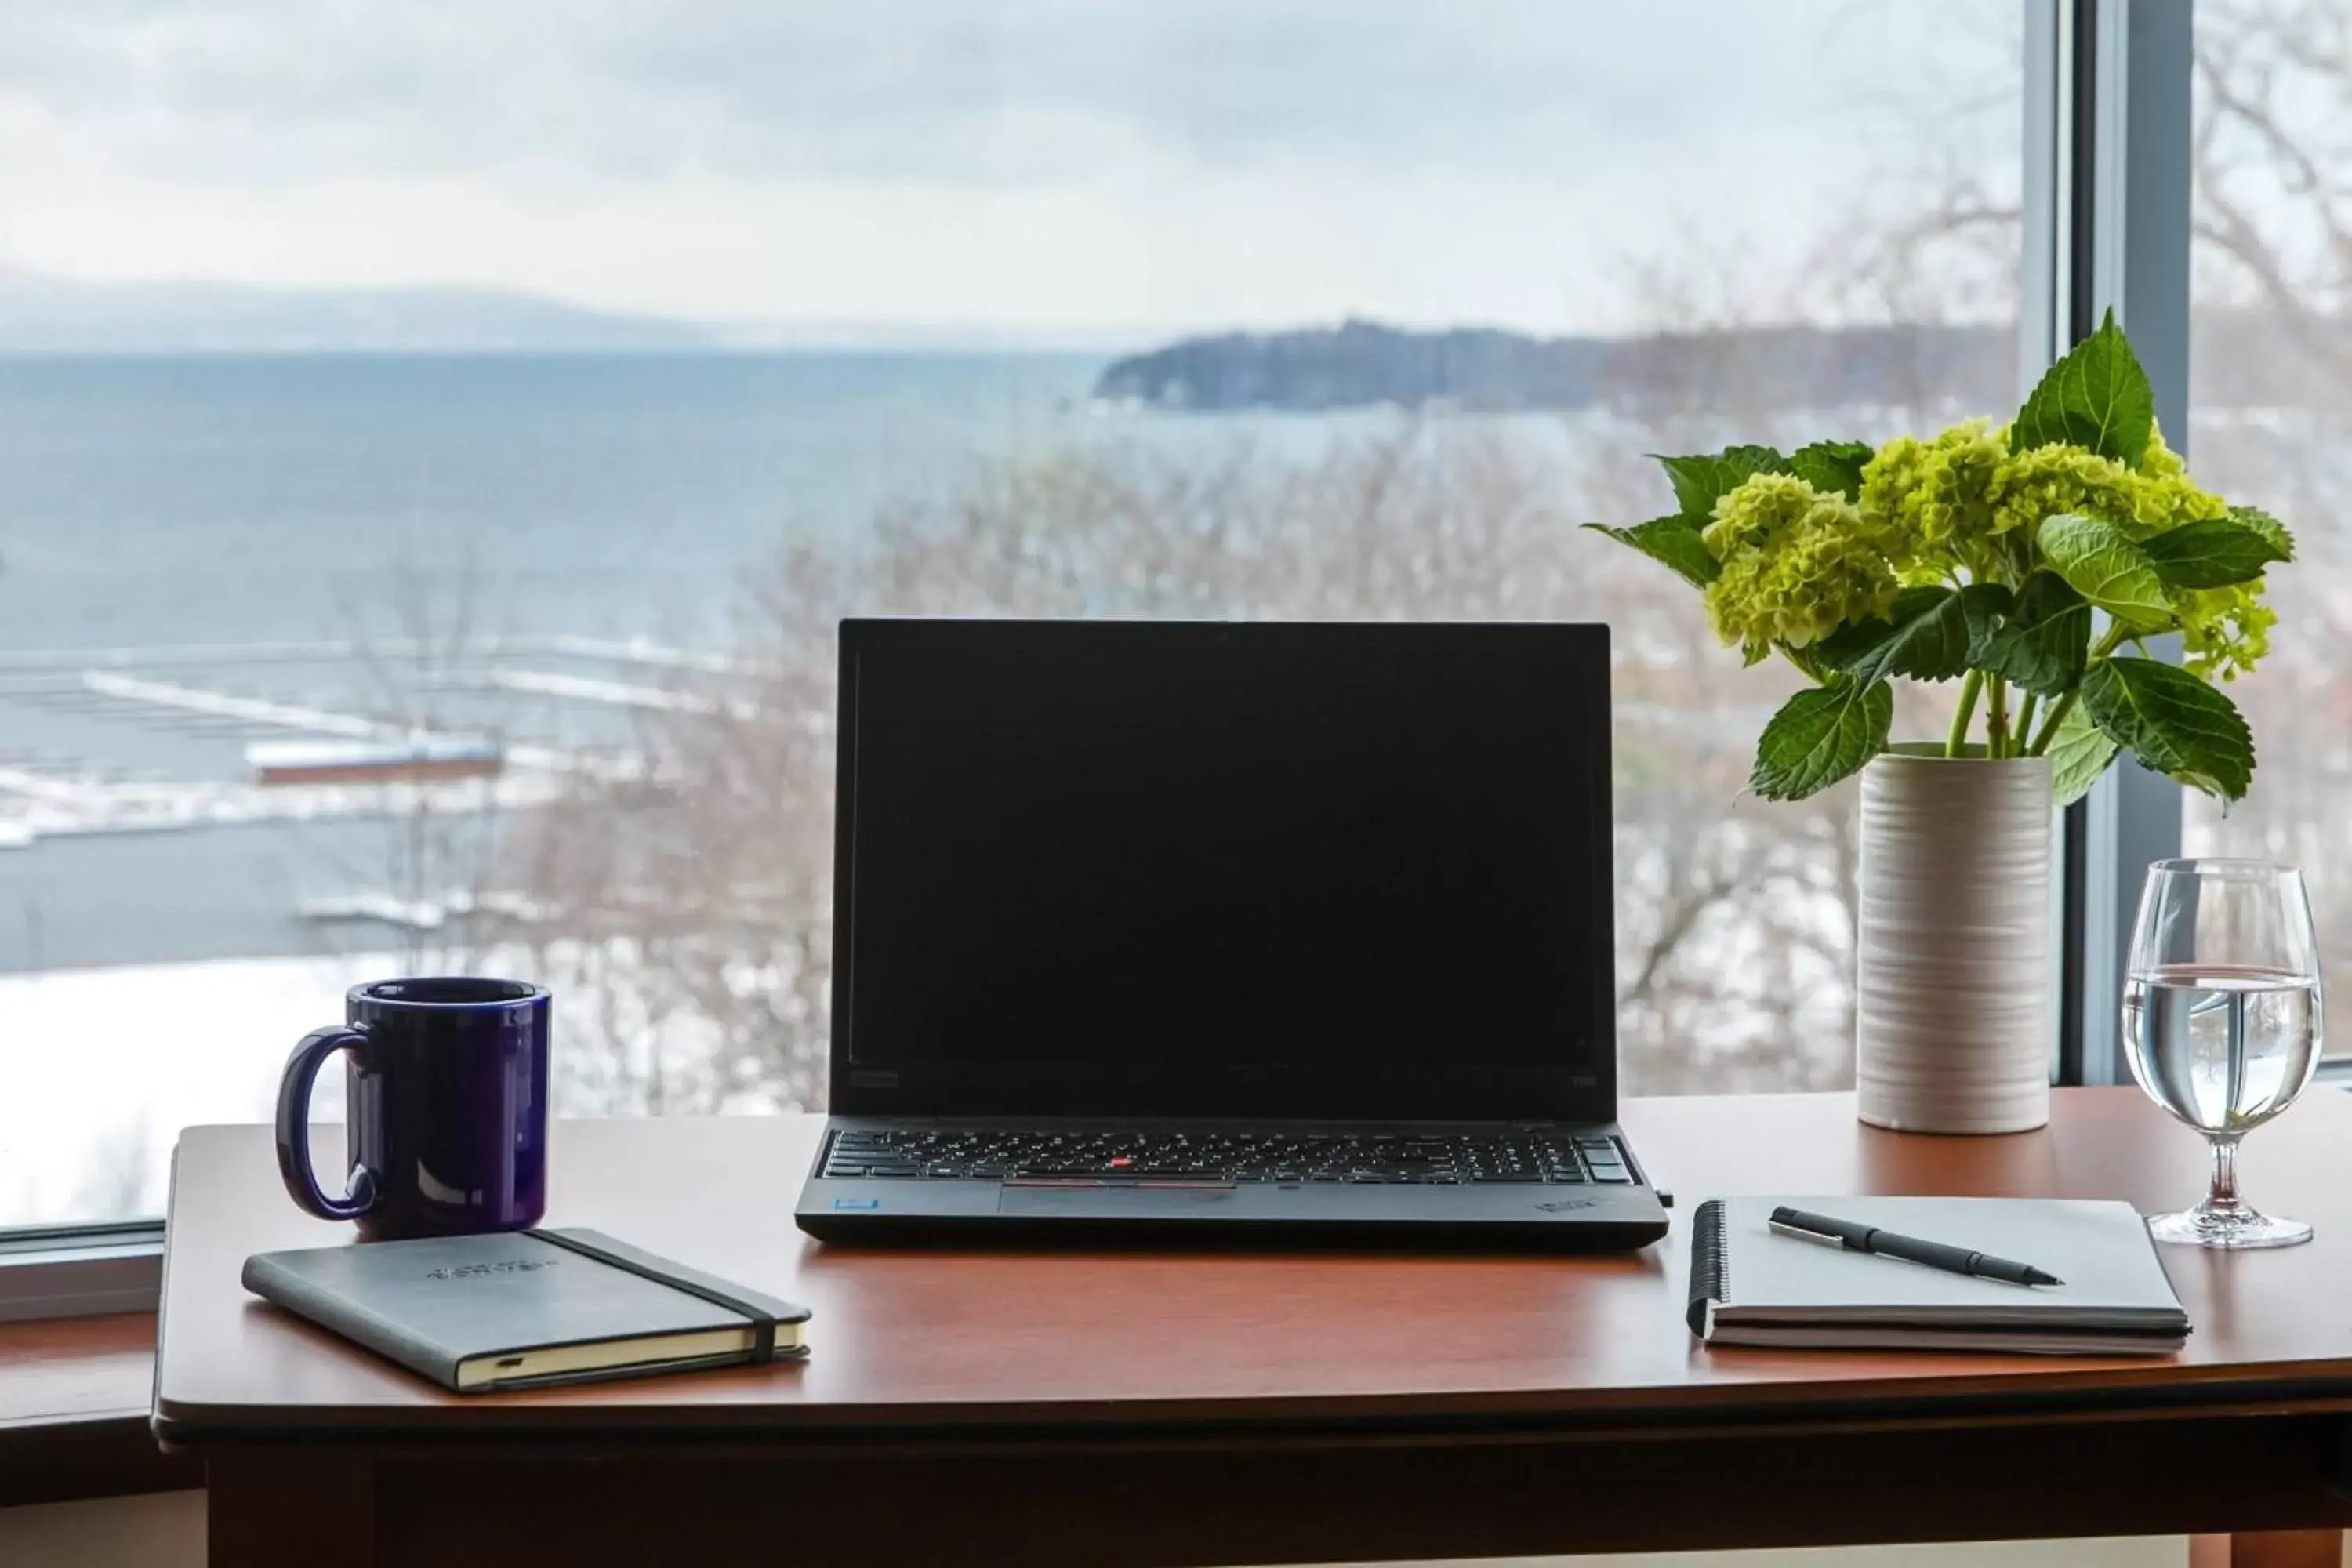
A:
[1565,1206]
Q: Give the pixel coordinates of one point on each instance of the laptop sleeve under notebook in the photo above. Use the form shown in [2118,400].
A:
[1750,1286]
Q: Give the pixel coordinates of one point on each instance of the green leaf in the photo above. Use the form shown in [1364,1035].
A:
[1819,736]
[1982,606]
[1831,467]
[1808,659]
[2096,396]
[1700,481]
[2269,527]
[2099,562]
[2174,723]
[2078,754]
[1924,636]
[1672,541]
[2212,553]
[2045,640]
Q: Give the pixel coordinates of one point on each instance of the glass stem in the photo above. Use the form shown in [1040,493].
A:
[2222,1196]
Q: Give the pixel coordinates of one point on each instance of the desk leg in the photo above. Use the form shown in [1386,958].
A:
[2268,1549]
[289,1510]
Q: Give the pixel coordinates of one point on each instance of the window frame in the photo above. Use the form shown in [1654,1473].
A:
[2106,226]
[2104,223]
[79,1271]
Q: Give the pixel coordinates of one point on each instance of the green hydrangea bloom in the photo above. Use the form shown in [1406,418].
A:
[2047,480]
[1936,498]
[2224,632]
[1797,564]
[2165,496]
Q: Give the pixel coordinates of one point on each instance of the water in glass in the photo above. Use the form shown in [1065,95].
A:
[2224,1049]
[2223,1022]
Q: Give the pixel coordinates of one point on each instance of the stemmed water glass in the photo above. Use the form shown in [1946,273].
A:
[2223,1022]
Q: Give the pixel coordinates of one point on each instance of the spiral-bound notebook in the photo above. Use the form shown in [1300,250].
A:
[1752,1287]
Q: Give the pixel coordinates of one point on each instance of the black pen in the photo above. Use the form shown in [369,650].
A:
[1829,1231]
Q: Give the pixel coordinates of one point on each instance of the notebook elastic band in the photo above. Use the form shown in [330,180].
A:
[763,1326]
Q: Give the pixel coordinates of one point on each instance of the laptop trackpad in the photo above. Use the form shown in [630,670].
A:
[1109,1199]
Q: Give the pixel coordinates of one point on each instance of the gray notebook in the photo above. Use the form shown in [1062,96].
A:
[1751,1287]
[535,1307]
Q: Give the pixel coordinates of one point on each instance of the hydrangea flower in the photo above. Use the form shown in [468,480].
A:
[1937,497]
[2224,632]
[1936,560]
[1797,564]
[2047,480]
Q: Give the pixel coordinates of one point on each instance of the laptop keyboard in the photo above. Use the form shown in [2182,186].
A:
[1440,1158]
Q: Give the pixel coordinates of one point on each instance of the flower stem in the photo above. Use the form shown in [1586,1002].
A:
[1996,717]
[1957,744]
[2022,725]
[2049,731]
[2116,636]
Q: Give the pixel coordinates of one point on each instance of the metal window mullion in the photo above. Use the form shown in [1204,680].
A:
[2129,252]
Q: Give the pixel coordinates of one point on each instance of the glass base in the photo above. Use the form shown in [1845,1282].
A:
[2234,1227]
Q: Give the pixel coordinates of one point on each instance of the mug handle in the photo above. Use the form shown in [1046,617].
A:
[294,1128]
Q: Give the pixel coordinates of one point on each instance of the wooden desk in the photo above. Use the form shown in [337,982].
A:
[1153,1409]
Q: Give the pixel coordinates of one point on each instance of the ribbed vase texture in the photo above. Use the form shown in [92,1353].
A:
[1954,1018]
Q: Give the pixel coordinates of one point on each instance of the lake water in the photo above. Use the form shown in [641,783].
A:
[146,502]
[176,503]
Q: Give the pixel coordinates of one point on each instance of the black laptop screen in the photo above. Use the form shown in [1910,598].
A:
[1218,857]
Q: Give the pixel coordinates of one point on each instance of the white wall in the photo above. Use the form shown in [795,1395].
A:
[165,1530]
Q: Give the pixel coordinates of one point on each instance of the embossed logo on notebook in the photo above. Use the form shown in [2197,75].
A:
[504,1266]
[1563,1205]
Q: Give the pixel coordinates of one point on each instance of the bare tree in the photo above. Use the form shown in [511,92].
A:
[419,670]
[2271,394]
[695,903]
[696,900]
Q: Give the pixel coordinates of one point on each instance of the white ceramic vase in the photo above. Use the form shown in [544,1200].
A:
[1954,1017]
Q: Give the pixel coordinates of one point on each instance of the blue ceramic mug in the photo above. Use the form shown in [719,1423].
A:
[447,1108]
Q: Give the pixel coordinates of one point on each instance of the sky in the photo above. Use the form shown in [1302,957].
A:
[1054,165]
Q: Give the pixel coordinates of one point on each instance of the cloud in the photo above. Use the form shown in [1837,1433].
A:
[1190,161]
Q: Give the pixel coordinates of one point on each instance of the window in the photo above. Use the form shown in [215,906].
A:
[2271,400]
[435,447]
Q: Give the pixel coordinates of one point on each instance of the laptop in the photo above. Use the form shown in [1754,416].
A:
[1198,934]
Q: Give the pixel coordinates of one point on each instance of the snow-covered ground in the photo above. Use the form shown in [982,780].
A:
[99,1068]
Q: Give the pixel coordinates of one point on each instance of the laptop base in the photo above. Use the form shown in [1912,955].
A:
[1208,1212]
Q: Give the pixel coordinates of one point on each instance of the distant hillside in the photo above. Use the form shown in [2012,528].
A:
[43,314]
[1361,363]
[50,315]
[2239,360]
